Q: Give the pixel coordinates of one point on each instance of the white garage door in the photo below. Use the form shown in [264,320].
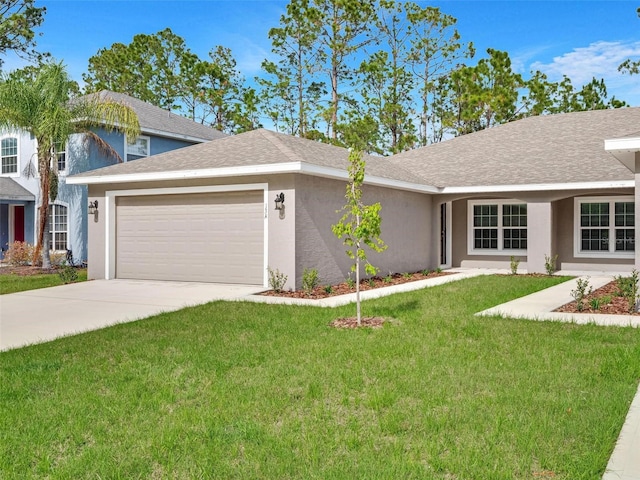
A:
[205,237]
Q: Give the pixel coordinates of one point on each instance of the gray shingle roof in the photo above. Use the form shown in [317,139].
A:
[159,121]
[257,147]
[564,148]
[12,190]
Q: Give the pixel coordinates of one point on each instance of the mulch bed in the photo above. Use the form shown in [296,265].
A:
[352,322]
[617,306]
[25,271]
[323,291]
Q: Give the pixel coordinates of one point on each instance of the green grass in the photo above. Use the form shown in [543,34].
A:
[13,283]
[242,390]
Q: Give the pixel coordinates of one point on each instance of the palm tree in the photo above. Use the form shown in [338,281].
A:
[39,101]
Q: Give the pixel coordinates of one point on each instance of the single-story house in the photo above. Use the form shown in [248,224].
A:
[532,189]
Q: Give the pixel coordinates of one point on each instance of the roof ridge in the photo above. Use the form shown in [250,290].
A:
[273,137]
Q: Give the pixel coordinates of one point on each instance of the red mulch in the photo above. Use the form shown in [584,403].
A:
[343,288]
[617,306]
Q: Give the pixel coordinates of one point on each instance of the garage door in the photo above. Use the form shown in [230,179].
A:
[208,237]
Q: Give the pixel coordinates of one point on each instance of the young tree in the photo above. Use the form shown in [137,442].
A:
[40,104]
[632,67]
[360,225]
[18,19]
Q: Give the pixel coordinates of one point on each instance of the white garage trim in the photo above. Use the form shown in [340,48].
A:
[110,216]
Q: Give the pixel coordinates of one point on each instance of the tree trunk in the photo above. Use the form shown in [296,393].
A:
[42,245]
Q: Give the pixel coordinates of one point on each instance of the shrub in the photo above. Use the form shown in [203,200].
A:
[328,289]
[350,282]
[310,280]
[426,272]
[514,265]
[58,259]
[68,274]
[581,291]
[628,288]
[372,282]
[277,280]
[388,278]
[550,263]
[406,275]
[19,253]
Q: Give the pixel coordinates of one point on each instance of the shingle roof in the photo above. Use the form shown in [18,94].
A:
[159,121]
[563,148]
[257,147]
[552,149]
[12,190]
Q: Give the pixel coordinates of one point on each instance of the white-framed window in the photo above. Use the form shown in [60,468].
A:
[497,227]
[604,227]
[9,155]
[60,152]
[58,227]
[139,148]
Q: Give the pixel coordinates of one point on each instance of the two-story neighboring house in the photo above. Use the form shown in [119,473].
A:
[161,131]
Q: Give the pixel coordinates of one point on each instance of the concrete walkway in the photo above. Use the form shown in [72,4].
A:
[42,315]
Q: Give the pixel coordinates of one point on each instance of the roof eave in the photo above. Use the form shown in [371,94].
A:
[269,169]
[540,187]
[624,150]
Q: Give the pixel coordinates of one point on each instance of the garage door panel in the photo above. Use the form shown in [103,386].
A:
[203,237]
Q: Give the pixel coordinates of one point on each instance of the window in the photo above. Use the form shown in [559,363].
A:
[58,227]
[138,149]
[605,226]
[60,152]
[497,227]
[9,155]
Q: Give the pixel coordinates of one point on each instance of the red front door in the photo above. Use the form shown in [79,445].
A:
[18,223]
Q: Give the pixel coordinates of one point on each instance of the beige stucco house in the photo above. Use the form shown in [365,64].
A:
[551,185]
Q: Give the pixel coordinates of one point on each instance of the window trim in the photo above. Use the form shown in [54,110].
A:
[52,232]
[500,251]
[17,172]
[126,145]
[611,199]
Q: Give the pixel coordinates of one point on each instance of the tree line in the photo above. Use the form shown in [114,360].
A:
[382,76]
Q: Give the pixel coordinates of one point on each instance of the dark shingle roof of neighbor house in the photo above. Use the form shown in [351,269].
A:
[162,122]
[255,148]
[563,148]
[551,149]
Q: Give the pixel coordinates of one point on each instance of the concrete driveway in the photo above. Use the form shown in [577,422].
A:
[42,315]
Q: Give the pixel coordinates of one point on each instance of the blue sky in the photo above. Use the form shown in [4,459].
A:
[581,39]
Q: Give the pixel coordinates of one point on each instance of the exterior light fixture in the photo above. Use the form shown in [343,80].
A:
[93,210]
[280,201]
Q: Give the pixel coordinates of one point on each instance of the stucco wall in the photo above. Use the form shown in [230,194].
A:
[406,229]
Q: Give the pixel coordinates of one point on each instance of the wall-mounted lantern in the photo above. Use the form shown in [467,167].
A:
[280,201]
[93,210]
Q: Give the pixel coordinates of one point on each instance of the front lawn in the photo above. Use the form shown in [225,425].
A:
[13,280]
[243,390]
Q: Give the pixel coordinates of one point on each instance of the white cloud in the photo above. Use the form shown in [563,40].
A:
[599,60]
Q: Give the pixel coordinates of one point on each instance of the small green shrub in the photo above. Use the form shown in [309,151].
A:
[438,270]
[406,275]
[310,280]
[328,289]
[426,272]
[372,282]
[68,274]
[628,288]
[350,282]
[550,263]
[277,279]
[19,253]
[597,302]
[581,291]
[388,278]
[514,265]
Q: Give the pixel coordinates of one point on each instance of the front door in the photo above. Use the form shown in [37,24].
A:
[18,223]
[445,234]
